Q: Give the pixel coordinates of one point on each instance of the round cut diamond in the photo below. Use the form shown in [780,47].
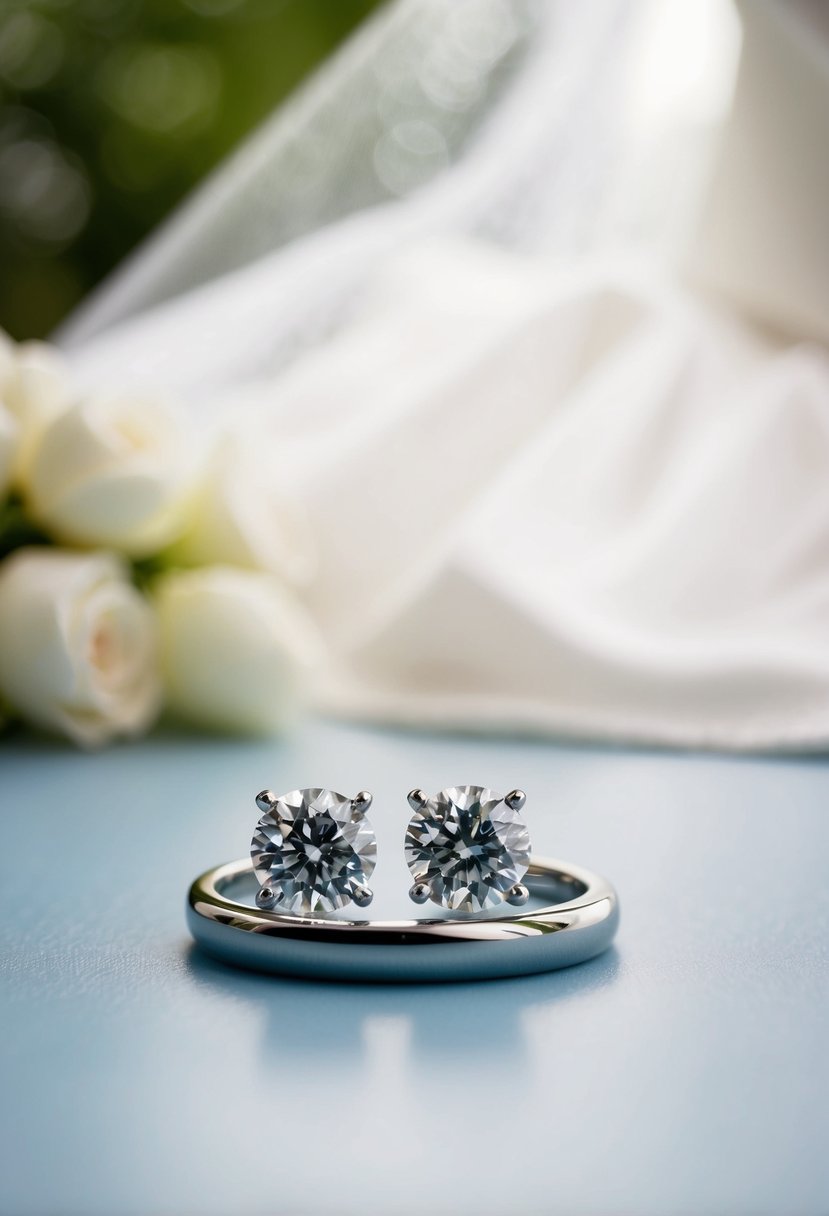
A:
[314,850]
[468,847]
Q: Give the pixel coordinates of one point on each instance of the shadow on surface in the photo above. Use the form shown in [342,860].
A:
[443,1024]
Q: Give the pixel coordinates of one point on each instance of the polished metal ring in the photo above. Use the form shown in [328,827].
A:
[578,924]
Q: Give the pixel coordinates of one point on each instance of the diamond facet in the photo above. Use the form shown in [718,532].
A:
[316,849]
[468,847]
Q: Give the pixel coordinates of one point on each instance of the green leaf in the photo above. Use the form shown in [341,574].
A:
[145,570]
[16,529]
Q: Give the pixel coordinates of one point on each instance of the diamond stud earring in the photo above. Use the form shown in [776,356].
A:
[467,848]
[313,850]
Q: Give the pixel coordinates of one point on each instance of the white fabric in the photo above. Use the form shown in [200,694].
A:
[549,493]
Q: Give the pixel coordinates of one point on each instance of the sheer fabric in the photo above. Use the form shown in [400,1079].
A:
[552,487]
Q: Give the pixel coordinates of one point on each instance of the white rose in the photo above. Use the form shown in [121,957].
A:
[77,645]
[236,648]
[240,517]
[35,387]
[111,471]
[9,435]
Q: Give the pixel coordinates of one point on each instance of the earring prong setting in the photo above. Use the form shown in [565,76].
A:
[467,848]
[313,850]
[517,895]
[361,803]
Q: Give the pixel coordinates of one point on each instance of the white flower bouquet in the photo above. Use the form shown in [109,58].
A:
[135,577]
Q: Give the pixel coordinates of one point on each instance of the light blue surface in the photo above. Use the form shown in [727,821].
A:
[686,1071]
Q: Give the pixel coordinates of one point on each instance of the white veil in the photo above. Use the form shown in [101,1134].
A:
[551,488]
[354,166]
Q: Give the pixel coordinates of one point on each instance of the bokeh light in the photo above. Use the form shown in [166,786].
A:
[112,110]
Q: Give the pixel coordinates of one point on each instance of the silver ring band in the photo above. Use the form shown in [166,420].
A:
[579,924]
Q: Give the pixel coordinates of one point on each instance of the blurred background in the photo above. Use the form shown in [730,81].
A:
[111,110]
[486,234]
